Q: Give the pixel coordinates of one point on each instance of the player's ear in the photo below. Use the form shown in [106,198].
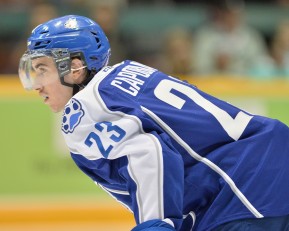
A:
[78,71]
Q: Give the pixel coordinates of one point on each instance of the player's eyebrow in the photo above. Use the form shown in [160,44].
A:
[39,65]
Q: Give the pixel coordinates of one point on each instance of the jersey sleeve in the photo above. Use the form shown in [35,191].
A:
[154,173]
[154,170]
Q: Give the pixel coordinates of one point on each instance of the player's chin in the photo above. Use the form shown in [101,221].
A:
[55,108]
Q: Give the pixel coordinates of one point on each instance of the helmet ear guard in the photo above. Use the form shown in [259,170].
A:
[90,74]
[63,64]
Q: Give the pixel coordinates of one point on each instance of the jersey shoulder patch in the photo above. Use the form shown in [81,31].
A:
[72,115]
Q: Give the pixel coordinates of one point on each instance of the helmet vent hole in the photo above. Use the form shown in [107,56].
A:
[96,37]
[93,58]
[41,44]
[44,32]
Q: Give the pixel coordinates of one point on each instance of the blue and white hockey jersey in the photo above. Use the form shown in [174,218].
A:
[169,151]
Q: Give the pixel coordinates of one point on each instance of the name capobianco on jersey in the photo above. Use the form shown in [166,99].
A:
[129,78]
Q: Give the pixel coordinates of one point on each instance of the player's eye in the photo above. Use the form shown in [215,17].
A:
[41,72]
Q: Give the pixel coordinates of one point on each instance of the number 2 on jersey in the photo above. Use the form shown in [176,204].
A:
[234,127]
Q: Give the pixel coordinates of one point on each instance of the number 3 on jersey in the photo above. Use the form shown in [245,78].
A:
[116,135]
[234,127]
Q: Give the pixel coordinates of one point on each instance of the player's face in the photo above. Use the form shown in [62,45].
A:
[48,85]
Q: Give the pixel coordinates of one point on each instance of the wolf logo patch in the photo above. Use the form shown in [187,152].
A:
[72,115]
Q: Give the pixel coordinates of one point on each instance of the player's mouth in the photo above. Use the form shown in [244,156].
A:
[45,97]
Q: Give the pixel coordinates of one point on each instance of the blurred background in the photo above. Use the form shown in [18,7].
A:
[237,50]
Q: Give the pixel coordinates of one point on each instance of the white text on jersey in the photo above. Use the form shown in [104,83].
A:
[128,80]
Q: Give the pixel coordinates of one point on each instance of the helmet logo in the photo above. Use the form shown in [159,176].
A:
[71,24]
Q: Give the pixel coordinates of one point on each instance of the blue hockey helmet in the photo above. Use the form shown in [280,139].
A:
[80,35]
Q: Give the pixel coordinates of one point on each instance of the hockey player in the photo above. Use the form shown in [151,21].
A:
[178,158]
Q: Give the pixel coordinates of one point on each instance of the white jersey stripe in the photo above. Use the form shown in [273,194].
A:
[113,190]
[149,183]
[109,191]
[141,176]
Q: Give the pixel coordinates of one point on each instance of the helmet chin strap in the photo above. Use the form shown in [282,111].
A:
[89,76]
[76,87]
[77,69]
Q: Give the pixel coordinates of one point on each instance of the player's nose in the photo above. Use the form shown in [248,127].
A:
[37,86]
